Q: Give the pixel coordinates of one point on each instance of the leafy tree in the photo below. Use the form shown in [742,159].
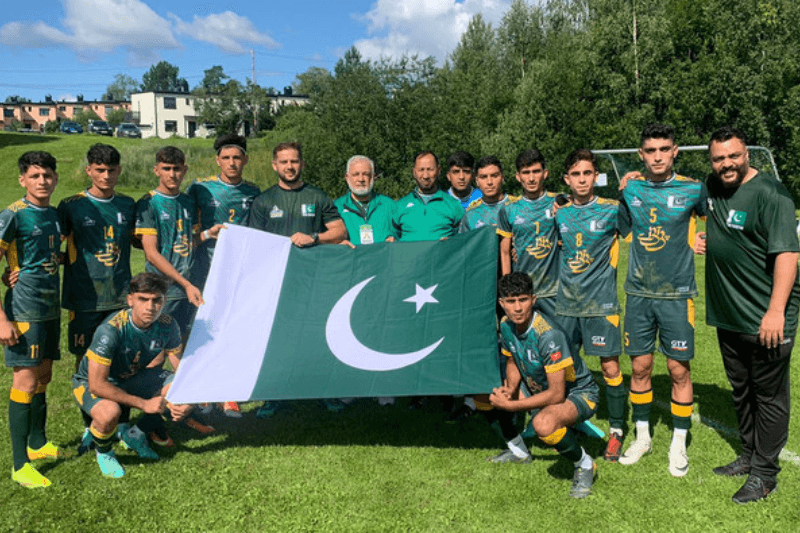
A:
[213,79]
[84,117]
[51,126]
[122,87]
[16,99]
[163,77]
[312,81]
[233,105]
[116,117]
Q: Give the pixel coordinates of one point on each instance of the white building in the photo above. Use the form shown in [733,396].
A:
[165,114]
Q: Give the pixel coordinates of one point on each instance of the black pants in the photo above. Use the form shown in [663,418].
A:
[760,381]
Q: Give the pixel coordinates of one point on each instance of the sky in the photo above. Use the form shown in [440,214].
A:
[64,48]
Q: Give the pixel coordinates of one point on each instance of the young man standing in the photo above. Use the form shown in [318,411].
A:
[222,199]
[528,226]
[484,211]
[30,319]
[662,209]
[563,392]
[123,367]
[459,174]
[98,224]
[587,303]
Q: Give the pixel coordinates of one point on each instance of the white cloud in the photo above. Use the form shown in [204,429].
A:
[96,26]
[227,31]
[425,27]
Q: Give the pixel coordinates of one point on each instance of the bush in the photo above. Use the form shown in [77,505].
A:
[51,126]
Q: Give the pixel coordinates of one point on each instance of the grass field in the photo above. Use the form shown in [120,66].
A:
[372,468]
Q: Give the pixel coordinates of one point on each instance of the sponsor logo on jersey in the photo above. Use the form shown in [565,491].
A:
[156,344]
[276,212]
[213,203]
[581,262]
[597,226]
[541,248]
[736,219]
[598,340]
[635,202]
[36,230]
[655,239]
[182,247]
[680,346]
[88,222]
[110,256]
[677,202]
[308,210]
[519,221]
[51,266]
[409,204]
[563,228]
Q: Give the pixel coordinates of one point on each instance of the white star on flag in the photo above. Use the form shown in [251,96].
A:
[423,296]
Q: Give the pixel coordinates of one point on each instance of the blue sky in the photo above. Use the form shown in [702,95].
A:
[68,47]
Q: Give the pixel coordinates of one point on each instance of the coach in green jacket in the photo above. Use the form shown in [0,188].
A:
[366,214]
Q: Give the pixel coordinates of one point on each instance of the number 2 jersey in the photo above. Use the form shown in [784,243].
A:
[663,220]
[541,350]
[589,256]
[97,269]
[30,237]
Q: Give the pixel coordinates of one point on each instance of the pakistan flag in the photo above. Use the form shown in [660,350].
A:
[387,319]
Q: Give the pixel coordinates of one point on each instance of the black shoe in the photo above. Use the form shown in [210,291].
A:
[755,489]
[739,467]
[459,415]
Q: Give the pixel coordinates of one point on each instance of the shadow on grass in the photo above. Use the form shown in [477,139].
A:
[16,139]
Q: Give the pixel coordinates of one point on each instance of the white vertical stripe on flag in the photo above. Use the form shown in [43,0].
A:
[224,352]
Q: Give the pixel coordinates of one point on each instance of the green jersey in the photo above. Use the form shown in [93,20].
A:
[542,350]
[481,213]
[589,255]
[30,238]
[285,212]
[127,349]
[218,202]
[747,227]
[663,220]
[431,218]
[98,266]
[532,225]
[172,219]
[366,223]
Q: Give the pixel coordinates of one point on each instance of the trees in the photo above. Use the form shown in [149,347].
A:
[83,118]
[121,88]
[163,77]
[116,117]
[213,79]
[232,105]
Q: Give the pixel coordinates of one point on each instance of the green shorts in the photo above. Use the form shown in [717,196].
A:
[37,341]
[146,384]
[585,402]
[599,335]
[81,328]
[673,320]
[182,311]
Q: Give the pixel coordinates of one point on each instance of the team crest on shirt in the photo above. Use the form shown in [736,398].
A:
[182,247]
[156,345]
[541,248]
[308,210]
[736,219]
[110,255]
[479,224]
[581,262]
[548,213]
[655,239]
[88,222]
[409,204]
[597,226]
[51,266]
[677,202]
[276,212]
[121,219]
[563,228]
[213,203]
[555,356]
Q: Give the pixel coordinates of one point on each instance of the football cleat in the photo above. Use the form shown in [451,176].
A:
[109,465]
[48,451]
[739,467]
[635,452]
[509,457]
[137,441]
[194,422]
[267,410]
[231,410]
[87,442]
[160,436]
[122,430]
[613,448]
[754,489]
[678,460]
[29,477]
[582,481]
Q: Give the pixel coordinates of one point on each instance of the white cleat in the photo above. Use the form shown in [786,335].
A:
[678,461]
[635,452]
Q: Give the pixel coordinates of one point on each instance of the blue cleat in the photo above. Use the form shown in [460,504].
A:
[137,441]
[87,442]
[109,465]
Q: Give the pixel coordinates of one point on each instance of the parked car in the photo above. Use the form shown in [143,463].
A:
[129,130]
[100,127]
[70,127]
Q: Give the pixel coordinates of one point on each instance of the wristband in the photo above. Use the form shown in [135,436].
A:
[206,235]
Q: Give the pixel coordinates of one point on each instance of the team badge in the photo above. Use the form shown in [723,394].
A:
[36,231]
[597,226]
[276,212]
[519,221]
[308,210]
[165,216]
[88,222]
[636,202]
[676,202]
[736,219]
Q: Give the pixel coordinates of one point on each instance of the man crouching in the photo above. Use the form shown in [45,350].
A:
[123,367]
[562,390]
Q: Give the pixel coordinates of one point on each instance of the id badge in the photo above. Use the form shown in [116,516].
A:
[366,234]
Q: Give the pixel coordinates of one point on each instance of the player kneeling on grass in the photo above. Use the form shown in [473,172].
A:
[562,389]
[123,367]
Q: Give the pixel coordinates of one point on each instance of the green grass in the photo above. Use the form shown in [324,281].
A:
[373,468]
